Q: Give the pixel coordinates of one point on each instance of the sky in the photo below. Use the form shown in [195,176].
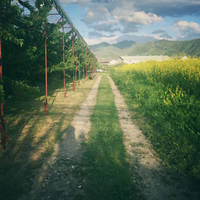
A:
[113,21]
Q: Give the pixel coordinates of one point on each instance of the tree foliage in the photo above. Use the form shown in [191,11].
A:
[22,28]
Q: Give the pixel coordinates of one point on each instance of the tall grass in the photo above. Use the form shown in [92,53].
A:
[167,95]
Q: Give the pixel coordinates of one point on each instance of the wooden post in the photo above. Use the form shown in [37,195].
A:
[63,50]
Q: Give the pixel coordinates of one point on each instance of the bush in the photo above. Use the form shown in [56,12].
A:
[20,89]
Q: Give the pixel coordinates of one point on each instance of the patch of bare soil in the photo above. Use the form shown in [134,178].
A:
[154,181]
[58,178]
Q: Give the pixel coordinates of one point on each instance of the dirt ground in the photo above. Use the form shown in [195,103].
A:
[58,177]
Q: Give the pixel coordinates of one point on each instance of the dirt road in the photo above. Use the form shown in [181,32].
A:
[58,177]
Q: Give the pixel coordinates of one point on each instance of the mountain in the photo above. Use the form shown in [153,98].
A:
[109,52]
[99,46]
[121,45]
[158,47]
[124,44]
[165,47]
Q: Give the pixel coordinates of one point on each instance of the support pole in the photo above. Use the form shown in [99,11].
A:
[86,61]
[63,50]
[1,74]
[79,71]
[46,94]
[73,60]
[83,72]
[76,74]
[2,122]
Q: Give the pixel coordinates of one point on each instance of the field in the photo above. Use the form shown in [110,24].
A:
[166,96]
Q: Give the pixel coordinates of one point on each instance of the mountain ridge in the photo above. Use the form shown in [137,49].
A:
[157,47]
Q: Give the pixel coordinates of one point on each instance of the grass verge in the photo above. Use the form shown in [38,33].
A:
[104,163]
[32,136]
[164,97]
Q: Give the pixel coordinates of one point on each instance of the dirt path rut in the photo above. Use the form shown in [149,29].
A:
[155,184]
[58,177]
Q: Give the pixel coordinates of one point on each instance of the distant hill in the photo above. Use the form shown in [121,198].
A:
[109,52]
[159,47]
[124,44]
[165,47]
[121,45]
[99,46]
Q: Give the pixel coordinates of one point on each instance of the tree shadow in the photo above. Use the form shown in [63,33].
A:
[105,169]
[33,141]
[59,178]
[32,135]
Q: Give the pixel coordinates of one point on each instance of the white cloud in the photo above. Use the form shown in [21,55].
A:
[96,14]
[101,39]
[121,18]
[136,17]
[75,1]
[159,7]
[160,34]
[188,26]
[169,7]
[188,30]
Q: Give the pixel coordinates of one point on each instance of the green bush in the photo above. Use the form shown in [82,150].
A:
[20,89]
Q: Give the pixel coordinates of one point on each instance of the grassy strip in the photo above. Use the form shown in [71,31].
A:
[104,164]
[32,136]
[166,96]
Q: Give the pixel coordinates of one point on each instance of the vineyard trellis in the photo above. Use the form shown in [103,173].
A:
[29,17]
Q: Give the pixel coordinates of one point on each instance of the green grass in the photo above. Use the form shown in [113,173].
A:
[164,97]
[32,135]
[17,169]
[104,163]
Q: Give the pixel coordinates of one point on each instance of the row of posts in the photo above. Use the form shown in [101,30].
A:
[74,68]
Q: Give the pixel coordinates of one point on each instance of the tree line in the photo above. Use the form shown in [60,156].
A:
[23,28]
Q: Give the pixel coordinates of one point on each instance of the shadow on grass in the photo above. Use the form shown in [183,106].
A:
[104,164]
[105,168]
[31,137]
[62,172]
[24,155]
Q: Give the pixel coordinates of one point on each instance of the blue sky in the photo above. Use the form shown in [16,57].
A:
[139,20]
